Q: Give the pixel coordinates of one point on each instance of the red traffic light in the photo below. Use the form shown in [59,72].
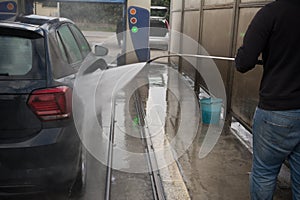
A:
[133,20]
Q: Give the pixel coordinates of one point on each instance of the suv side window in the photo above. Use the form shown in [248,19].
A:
[70,45]
[62,50]
[83,44]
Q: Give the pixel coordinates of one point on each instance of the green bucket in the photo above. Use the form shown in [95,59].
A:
[211,110]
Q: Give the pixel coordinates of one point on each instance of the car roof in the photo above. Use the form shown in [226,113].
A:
[159,7]
[41,20]
[35,23]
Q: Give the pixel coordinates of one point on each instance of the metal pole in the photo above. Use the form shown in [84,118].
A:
[197,74]
[231,71]
[35,9]
[180,62]
[58,9]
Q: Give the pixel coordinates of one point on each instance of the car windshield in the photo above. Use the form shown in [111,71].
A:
[24,49]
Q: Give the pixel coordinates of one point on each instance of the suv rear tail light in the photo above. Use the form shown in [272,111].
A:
[167,25]
[52,103]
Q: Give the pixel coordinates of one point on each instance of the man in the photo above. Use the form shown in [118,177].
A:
[119,32]
[275,32]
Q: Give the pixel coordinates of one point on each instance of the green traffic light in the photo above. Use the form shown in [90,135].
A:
[134,29]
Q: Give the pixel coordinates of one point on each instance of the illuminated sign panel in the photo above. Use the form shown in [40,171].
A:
[8,9]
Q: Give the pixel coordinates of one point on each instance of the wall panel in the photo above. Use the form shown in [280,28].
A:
[190,42]
[216,36]
[217,2]
[176,5]
[192,4]
[255,1]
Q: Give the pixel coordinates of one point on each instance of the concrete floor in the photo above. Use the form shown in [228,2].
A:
[223,174]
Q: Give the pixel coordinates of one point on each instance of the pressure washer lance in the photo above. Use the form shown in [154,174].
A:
[259,62]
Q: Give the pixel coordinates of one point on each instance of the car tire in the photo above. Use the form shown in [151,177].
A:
[79,185]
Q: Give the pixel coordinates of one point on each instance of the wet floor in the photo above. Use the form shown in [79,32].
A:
[130,175]
[224,172]
[221,174]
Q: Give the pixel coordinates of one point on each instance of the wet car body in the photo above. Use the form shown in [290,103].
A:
[39,145]
[159,28]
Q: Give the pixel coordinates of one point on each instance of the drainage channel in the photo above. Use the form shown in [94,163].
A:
[152,162]
[121,184]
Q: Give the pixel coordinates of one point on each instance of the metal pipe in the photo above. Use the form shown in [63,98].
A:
[192,56]
[259,62]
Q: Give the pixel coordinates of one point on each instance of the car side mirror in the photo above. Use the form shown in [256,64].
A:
[95,65]
[100,50]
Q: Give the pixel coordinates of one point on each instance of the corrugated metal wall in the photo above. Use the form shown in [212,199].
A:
[219,26]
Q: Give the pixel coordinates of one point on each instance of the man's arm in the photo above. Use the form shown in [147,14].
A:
[255,40]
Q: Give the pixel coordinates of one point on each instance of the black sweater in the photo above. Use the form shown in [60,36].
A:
[275,32]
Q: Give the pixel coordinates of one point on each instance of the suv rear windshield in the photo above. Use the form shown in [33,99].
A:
[159,12]
[21,57]
[158,28]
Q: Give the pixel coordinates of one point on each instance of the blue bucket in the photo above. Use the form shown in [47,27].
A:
[211,110]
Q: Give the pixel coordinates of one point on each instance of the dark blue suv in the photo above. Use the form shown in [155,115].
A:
[39,145]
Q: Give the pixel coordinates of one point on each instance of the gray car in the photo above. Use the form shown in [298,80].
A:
[159,28]
[39,145]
